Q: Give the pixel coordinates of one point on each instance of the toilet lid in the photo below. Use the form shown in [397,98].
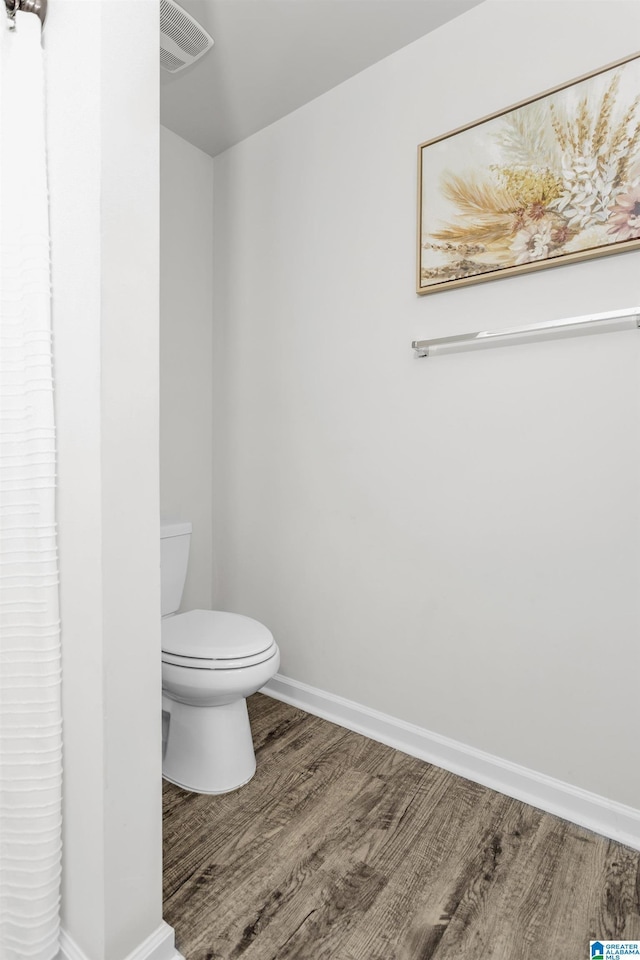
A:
[214,635]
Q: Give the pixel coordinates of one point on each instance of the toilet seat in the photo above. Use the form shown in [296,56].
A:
[215,640]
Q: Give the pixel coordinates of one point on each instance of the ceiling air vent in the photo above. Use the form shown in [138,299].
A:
[182,39]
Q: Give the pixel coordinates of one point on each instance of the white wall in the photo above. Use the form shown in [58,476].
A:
[102,95]
[186,352]
[455,541]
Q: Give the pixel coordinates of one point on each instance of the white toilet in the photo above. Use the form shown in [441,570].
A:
[211,662]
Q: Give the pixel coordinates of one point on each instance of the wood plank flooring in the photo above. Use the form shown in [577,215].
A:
[343,849]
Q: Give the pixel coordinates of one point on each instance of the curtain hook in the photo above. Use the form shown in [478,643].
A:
[12,7]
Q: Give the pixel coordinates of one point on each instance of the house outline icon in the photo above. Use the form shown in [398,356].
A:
[597,949]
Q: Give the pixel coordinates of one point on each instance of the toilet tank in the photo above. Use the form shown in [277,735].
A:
[175,539]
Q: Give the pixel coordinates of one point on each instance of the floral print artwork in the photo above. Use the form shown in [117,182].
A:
[557,176]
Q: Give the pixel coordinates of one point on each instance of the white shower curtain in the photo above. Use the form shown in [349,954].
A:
[30,724]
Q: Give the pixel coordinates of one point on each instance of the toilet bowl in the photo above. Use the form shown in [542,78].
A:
[211,662]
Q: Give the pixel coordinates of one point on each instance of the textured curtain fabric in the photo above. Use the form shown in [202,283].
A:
[30,724]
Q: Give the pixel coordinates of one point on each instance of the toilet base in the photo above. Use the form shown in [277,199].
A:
[208,749]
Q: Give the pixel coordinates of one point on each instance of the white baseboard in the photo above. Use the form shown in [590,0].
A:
[160,945]
[69,949]
[611,819]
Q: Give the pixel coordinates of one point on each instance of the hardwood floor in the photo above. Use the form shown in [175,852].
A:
[343,849]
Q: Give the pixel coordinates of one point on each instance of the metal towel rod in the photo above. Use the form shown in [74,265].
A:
[571,327]
[39,7]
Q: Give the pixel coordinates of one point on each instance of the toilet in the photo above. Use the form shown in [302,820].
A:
[211,662]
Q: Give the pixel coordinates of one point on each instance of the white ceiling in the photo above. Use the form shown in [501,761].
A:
[272,56]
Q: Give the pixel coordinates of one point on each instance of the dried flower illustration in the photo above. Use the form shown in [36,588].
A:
[533,242]
[564,176]
[625,216]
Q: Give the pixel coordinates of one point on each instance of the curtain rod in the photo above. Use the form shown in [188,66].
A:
[550,329]
[39,7]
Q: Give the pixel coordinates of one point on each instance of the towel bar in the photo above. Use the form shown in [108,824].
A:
[571,327]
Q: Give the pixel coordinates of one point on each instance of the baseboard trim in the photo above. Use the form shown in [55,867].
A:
[160,945]
[69,949]
[603,816]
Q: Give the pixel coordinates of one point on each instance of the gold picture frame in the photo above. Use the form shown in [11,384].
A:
[548,181]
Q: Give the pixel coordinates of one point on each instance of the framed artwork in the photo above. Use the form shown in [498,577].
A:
[548,181]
